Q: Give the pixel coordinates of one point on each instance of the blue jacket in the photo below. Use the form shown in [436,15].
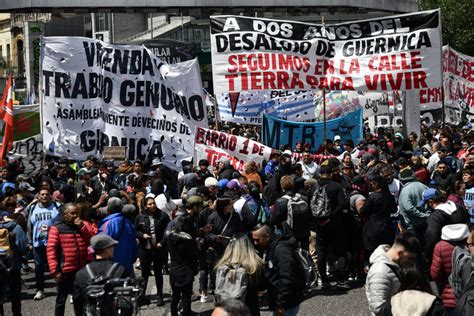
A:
[19,243]
[121,229]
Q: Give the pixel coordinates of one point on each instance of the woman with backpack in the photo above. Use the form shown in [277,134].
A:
[239,273]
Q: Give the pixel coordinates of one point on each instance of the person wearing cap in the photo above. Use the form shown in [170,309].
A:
[441,215]
[212,184]
[337,144]
[103,247]
[412,215]
[84,187]
[226,170]
[241,207]
[150,227]
[40,218]
[121,229]
[68,240]
[441,266]
[24,195]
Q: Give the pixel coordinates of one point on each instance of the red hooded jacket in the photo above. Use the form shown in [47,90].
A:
[67,246]
[441,269]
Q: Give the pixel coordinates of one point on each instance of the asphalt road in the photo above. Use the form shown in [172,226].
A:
[352,302]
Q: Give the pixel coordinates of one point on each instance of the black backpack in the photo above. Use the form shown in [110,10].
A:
[98,301]
[320,206]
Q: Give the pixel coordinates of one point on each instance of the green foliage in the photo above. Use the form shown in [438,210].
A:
[457,22]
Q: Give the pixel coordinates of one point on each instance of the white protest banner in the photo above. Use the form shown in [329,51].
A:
[458,81]
[247,107]
[212,145]
[30,152]
[98,94]
[389,53]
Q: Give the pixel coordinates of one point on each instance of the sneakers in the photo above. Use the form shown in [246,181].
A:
[39,296]
[159,300]
[70,300]
[204,298]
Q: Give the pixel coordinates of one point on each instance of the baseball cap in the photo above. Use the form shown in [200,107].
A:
[25,186]
[233,184]
[83,171]
[429,194]
[222,183]
[211,182]
[194,201]
[102,241]
[337,138]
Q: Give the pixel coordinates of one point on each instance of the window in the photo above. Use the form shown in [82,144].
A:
[102,22]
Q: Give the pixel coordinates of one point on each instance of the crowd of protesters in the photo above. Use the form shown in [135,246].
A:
[388,211]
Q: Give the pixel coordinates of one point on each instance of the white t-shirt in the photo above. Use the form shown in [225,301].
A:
[309,171]
[395,188]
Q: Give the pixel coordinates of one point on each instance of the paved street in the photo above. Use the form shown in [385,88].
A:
[352,302]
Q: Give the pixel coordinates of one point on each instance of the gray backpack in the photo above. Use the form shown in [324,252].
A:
[231,283]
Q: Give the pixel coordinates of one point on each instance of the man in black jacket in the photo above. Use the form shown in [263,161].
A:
[273,192]
[300,219]
[282,270]
[329,232]
[103,265]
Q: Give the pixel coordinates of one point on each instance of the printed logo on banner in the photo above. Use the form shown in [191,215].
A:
[211,145]
[390,53]
[277,133]
[98,94]
[287,105]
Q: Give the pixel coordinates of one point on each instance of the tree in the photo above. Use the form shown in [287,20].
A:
[456,21]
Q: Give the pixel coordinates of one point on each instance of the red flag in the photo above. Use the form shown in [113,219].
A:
[6,114]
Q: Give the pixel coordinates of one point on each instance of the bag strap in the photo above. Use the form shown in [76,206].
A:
[227,224]
[89,272]
[111,270]
[394,270]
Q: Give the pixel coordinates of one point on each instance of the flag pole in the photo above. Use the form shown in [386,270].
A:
[215,114]
[324,110]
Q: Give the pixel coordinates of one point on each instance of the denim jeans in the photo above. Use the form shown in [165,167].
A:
[39,254]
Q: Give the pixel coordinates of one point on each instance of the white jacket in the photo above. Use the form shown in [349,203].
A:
[412,302]
[382,282]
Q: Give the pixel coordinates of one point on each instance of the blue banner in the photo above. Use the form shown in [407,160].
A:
[277,133]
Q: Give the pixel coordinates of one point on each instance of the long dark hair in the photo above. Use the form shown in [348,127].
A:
[412,278]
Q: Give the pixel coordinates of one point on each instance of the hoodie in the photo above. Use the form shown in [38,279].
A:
[441,265]
[382,280]
[440,217]
[412,302]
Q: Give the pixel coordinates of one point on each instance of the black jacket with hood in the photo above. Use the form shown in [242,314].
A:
[283,273]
